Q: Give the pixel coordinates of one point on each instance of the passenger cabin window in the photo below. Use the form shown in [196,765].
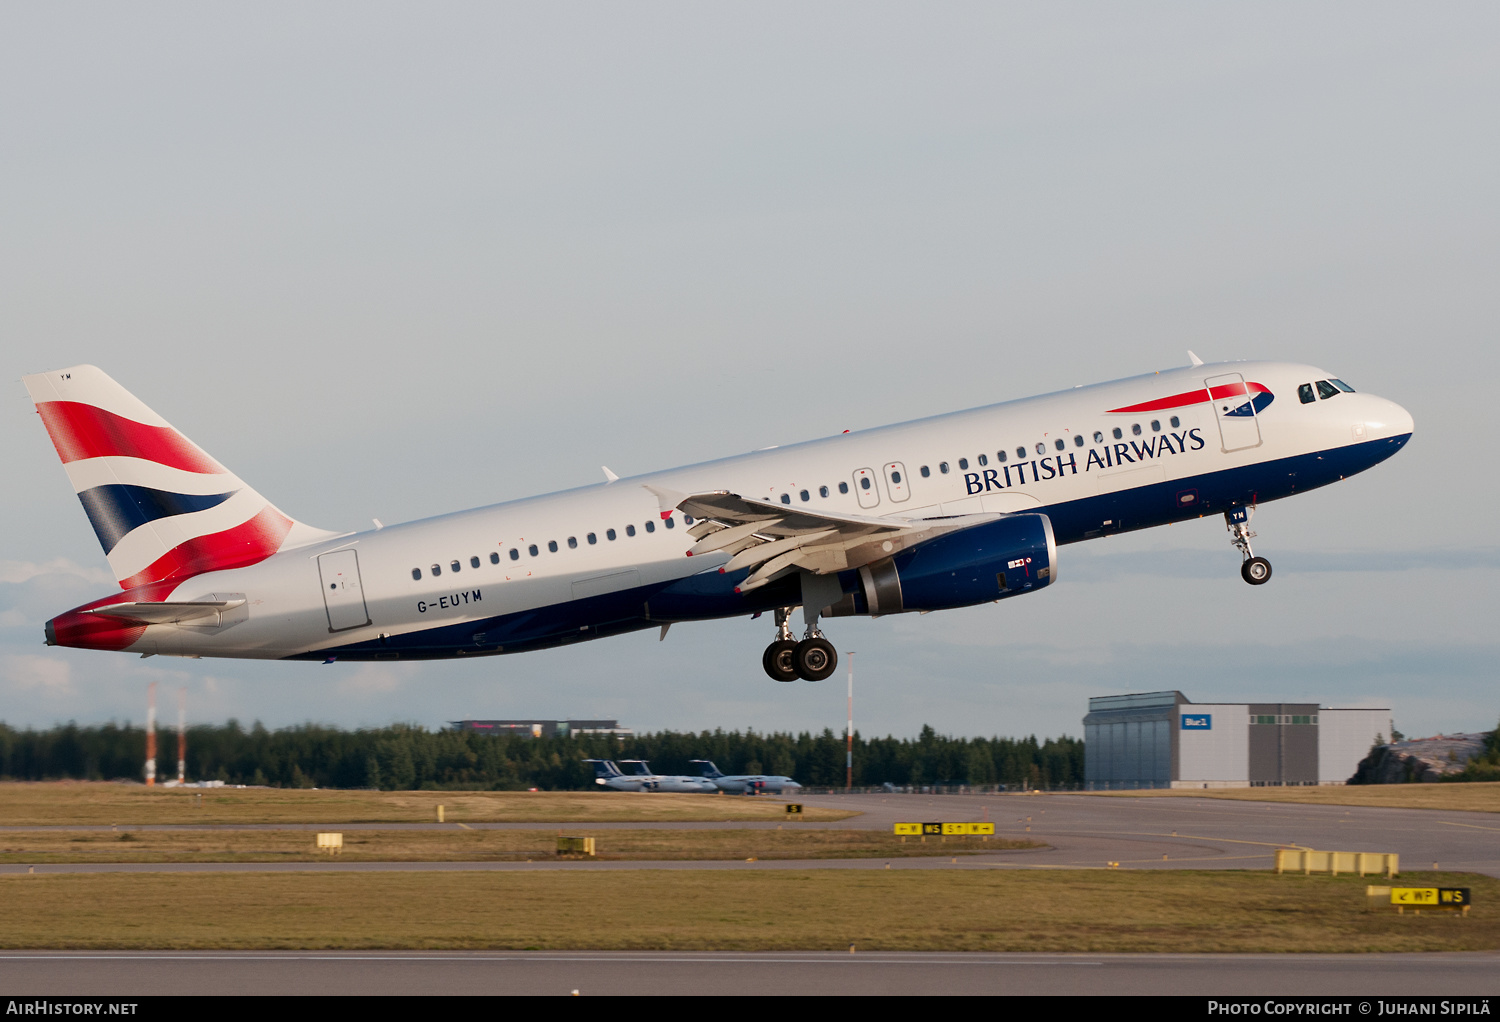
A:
[943,467]
[896,478]
[1098,437]
[593,539]
[437,569]
[494,557]
[926,471]
[786,498]
[1041,448]
[805,495]
[1117,433]
[822,492]
[1305,394]
[1000,456]
[1327,390]
[572,542]
[609,534]
[1135,429]
[455,566]
[650,526]
[416,573]
[843,487]
[1156,425]
[1059,444]
[984,459]
[1176,422]
[671,525]
[515,553]
[963,464]
[864,482]
[1021,453]
[473,562]
[552,546]
[630,530]
[1077,439]
[532,550]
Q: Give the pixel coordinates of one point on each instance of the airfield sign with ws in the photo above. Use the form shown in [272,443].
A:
[944,829]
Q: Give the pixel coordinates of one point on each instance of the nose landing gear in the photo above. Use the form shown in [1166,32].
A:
[786,659]
[1255,570]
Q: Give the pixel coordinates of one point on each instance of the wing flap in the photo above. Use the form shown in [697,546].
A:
[774,539]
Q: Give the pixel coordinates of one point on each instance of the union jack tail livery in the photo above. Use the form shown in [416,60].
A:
[162,508]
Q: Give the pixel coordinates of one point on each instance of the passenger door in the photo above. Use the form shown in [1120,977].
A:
[343,596]
[1234,411]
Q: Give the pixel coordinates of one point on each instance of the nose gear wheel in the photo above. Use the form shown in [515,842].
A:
[1255,570]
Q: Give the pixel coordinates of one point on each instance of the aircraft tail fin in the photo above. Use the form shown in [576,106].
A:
[641,767]
[160,505]
[706,768]
[604,769]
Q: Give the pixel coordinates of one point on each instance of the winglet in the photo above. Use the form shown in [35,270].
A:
[609,477]
[669,499]
[1194,359]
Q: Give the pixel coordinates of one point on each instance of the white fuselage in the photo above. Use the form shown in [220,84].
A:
[514,576]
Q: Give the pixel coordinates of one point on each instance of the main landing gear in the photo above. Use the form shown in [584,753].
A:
[1255,570]
[786,659]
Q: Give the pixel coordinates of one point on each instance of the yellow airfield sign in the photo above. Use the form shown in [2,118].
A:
[944,829]
[1430,897]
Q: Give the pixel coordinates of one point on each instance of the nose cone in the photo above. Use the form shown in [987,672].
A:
[1387,420]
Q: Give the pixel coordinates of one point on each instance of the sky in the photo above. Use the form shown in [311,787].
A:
[387,260]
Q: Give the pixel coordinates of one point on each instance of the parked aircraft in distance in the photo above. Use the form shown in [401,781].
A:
[950,511]
[742,784]
[642,779]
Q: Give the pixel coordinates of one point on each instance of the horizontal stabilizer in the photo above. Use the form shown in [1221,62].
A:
[168,613]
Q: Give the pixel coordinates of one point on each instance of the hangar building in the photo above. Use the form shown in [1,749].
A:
[1165,740]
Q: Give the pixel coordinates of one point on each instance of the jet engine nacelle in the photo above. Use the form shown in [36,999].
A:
[1015,555]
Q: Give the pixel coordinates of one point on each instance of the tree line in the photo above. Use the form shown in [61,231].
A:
[403,757]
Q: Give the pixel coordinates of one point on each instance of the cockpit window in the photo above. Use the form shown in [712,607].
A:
[1327,390]
[1341,385]
[1305,394]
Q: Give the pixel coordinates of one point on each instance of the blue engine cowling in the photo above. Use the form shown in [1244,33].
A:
[1015,555]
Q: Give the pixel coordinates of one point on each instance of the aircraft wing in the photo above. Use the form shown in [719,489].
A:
[773,540]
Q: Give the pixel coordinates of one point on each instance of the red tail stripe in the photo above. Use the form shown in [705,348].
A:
[247,543]
[80,431]
[1193,397]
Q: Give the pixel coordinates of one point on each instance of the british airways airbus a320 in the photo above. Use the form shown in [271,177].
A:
[951,511]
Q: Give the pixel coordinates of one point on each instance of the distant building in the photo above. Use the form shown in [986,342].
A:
[545,728]
[1165,740]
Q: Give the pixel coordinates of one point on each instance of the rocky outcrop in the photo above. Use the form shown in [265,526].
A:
[1419,760]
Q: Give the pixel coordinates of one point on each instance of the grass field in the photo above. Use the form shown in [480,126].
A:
[1481,797]
[937,910]
[458,845]
[81,802]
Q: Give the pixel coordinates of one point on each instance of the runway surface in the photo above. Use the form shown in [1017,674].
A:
[615,973]
[1080,831]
